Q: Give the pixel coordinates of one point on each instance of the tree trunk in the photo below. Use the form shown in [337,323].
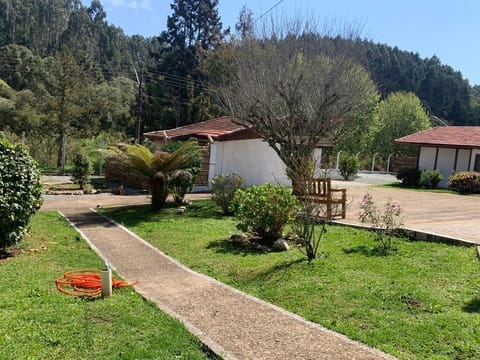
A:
[159,192]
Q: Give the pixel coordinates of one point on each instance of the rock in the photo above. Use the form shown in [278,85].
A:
[181,209]
[240,240]
[281,245]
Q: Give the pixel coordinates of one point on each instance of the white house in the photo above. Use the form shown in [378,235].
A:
[448,149]
[230,148]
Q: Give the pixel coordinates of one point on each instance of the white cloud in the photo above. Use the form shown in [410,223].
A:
[134,4]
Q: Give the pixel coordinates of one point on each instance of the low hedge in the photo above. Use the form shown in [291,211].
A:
[465,182]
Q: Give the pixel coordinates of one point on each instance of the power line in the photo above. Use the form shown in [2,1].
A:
[266,12]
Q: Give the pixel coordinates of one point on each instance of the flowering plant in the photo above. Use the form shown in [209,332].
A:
[466,182]
[386,223]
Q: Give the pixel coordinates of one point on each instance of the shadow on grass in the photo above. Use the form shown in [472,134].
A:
[223,246]
[368,251]
[136,214]
[472,306]
[278,269]
[204,209]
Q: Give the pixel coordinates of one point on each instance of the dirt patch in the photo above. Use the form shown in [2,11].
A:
[6,254]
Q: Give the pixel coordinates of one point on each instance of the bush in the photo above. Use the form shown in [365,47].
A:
[348,165]
[264,210]
[430,178]
[466,182]
[180,183]
[409,176]
[81,170]
[223,190]
[20,192]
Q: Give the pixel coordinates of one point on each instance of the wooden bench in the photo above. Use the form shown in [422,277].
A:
[319,191]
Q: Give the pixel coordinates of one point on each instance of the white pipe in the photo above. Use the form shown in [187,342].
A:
[373,161]
[388,162]
[106,275]
[338,159]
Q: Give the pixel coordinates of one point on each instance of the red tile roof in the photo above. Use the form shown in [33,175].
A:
[448,136]
[216,128]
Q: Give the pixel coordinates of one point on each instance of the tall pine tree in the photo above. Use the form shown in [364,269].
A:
[193,29]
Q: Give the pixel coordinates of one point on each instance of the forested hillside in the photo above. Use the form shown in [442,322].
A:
[70,75]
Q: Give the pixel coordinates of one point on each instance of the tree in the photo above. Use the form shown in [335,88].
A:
[81,170]
[245,24]
[135,165]
[193,29]
[70,88]
[20,68]
[399,114]
[296,94]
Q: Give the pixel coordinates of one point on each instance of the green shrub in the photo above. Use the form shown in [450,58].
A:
[20,192]
[430,178]
[348,165]
[409,176]
[223,190]
[81,170]
[465,182]
[180,183]
[264,210]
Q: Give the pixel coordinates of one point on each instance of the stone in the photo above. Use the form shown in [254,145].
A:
[281,245]
[181,209]
[240,240]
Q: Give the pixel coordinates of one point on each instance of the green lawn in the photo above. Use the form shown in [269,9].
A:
[422,302]
[38,322]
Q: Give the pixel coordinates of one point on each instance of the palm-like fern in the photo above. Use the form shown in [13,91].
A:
[135,165]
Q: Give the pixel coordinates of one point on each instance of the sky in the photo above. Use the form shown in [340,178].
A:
[444,28]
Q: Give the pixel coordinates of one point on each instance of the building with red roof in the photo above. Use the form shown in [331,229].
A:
[230,148]
[448,149]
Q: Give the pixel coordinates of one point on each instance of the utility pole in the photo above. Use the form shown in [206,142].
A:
[138,126]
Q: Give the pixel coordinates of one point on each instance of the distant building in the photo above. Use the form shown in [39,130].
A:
[448,149]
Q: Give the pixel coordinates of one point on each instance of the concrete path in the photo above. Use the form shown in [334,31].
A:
[232,324]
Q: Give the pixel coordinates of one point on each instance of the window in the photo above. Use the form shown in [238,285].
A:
[476,165]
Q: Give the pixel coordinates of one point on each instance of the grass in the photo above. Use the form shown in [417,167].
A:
[420,302]
[38,322]
[422,189]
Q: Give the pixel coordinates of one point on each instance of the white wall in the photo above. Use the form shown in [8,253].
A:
[252,159]
[427,158]
[445,164]
[463,160]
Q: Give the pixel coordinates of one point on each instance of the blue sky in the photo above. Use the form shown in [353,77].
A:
[446,28]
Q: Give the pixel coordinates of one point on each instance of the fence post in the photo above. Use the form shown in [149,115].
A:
[373,161]
[338,159]
[388,162]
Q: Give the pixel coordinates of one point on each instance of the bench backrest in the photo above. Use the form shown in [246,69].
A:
[318,187]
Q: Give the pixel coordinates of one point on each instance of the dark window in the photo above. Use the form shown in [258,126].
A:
[476,166]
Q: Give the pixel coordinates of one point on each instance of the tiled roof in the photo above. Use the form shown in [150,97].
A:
[216,128]
[449,136]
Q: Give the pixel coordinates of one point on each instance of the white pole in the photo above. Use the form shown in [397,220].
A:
[373,162]
[338,159]
[106,281]
[388,162]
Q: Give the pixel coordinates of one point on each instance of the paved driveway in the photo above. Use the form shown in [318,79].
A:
[449,215]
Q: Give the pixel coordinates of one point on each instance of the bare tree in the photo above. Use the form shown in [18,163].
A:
[296,89]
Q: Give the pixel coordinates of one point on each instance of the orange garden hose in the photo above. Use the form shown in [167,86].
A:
[86,283]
